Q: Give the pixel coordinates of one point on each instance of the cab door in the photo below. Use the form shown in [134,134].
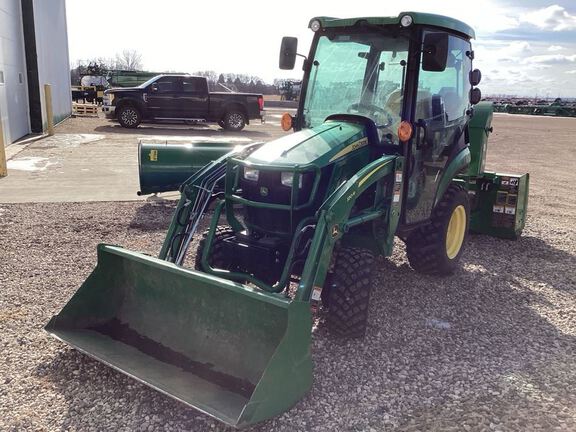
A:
[441,115]
[162,97]
[194,100]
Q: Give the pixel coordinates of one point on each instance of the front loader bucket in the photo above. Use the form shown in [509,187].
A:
[235,353]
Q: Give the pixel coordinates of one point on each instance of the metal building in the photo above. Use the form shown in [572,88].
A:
[33,52]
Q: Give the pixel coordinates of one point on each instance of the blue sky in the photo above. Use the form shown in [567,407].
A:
[525,48]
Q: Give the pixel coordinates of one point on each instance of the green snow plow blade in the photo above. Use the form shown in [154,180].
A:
[237,354]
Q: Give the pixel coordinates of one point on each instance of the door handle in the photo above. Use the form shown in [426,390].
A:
[421,140]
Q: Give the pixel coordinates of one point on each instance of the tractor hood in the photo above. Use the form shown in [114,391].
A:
[320,145]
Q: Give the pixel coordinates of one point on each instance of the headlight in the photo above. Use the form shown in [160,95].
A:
[108,98]
[287,178]
[251,174]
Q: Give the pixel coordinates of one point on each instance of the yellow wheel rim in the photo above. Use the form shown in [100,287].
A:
[455,232]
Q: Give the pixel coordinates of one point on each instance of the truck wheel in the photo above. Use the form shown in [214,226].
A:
[217,258]
[234,121]
[436,248]
[346,293]
[129,116]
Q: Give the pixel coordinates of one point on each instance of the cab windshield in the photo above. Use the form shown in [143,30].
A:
[357,74]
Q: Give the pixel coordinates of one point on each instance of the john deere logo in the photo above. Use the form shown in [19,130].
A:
[264,191]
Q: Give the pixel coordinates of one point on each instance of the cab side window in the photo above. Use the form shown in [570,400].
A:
[166,84]
[194,85]
[449,88]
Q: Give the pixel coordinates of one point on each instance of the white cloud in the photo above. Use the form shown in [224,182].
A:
[555,48]
[550,59]
[517,49]
[539,66]
[573,72]
[555,18]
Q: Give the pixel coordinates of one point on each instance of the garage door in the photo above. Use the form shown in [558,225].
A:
[13,88]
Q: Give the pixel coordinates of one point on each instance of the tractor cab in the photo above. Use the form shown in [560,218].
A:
[409,79]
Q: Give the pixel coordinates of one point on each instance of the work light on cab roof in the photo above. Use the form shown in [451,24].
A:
[406,21]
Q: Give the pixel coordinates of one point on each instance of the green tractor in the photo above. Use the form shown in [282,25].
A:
[387,143]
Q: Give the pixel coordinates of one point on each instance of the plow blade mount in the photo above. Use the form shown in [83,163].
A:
[230,351]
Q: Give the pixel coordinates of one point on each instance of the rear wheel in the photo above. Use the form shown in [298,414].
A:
[129,116]
[217,258]
[234,121]
[437,247]
[346,293]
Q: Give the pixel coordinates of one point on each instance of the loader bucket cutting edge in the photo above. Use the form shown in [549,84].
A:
[230,351]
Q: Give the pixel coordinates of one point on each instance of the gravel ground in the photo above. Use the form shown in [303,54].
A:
[491,348]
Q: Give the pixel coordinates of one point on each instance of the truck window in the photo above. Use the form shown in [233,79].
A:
[194,85]
[166,84]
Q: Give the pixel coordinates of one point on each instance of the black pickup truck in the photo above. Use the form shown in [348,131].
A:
[181,98]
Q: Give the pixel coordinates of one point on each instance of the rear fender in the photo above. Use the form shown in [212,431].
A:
[457,165]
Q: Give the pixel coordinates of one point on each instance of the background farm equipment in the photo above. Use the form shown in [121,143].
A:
[558,108]
[289,89]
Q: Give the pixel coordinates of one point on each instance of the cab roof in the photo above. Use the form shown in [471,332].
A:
[419,18]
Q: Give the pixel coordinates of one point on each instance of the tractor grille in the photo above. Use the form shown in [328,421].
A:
[269,189]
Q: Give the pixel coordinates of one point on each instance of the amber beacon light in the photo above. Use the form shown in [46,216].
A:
[404,131]
[286,122]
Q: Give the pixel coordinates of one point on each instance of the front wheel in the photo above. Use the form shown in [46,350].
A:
[346,293]
[129,116]
[234,121]
[217,258]
[437,247]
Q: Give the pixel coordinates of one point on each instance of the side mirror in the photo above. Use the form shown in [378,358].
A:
[475,95]
[475,77]
[288,52]
[435,52]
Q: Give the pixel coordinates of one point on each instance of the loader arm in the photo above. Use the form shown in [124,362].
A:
[196,193]
[334,218]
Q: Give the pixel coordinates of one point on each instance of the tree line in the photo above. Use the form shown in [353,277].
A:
[132,60]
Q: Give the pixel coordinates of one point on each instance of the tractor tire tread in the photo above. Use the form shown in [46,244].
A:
[349,293]
[217,259]
[426,247]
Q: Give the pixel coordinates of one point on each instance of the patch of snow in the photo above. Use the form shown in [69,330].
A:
[30,163]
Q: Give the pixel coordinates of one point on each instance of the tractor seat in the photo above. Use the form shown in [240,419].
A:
[423,105]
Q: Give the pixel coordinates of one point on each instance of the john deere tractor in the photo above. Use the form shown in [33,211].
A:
[389,142]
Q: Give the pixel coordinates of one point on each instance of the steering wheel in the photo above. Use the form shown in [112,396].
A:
[374,111]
